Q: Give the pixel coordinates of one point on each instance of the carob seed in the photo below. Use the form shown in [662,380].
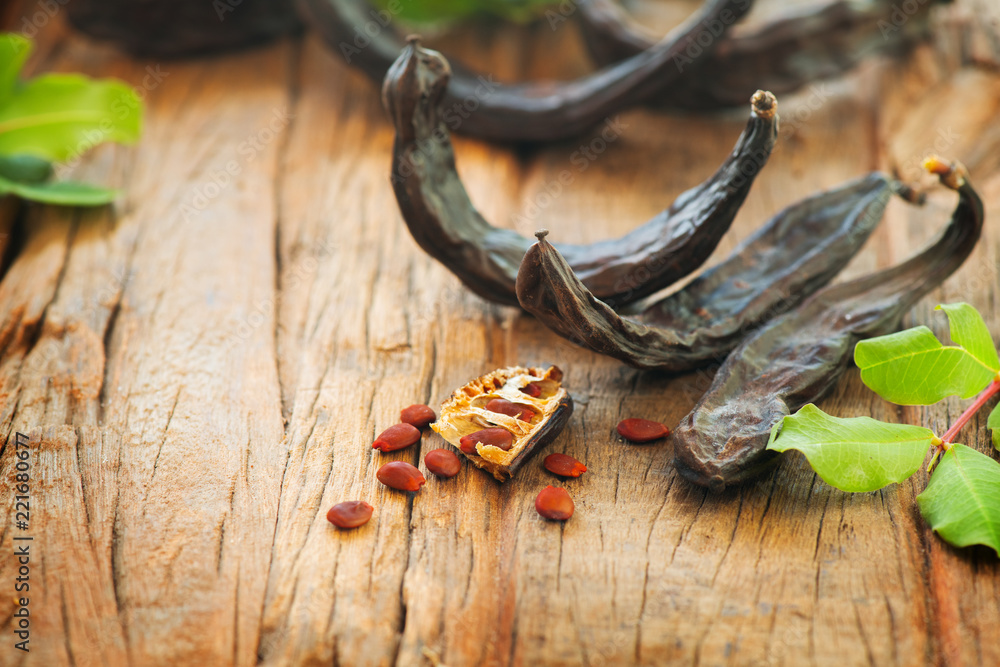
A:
[504,407]
[443,462]
[396,437]
[400,475]
[417,415]
[554,503]
[564,465]
[350,514]
[497,437]
[642,430]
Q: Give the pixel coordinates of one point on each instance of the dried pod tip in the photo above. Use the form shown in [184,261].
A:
[909,193]
[764,104]
[951,174]
[541,234]
[413,40]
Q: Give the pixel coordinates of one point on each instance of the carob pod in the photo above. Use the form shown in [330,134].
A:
[181,28]
[798,357]
[445,224]
[542,111]
[465,413]
[797,47]
[787,259]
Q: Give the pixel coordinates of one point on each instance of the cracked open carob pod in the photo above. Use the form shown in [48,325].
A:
[798,46]
[797,358]
[465,414]
[791,256]
[443,221]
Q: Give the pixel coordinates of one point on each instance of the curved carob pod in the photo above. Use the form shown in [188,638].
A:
[795,48]
[541,111]
[787,259]
[447,226]
[797,358]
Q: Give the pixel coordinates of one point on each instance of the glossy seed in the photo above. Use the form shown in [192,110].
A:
[400,475]
[564,465]
[531,389]
[350,514]
[417,415]
[443,462]
[504,407]
[642,430]
[497,437]
[396,437]
[554,503]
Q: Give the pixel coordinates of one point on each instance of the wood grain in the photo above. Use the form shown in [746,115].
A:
[202,368]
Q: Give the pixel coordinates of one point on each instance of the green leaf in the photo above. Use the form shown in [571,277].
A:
[25,168]
[969,331]
[14,51]
[61,116]
[856,454]
[993,423]
[65,193]
[962,500]
[446,10]
[913,367]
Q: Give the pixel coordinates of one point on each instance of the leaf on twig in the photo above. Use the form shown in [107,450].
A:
[962,501]
[913,367]
[855,454]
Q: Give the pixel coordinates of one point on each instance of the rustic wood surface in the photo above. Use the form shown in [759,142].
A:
[202,368]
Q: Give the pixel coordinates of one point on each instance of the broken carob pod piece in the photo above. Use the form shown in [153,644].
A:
[786,260]
[799,46]
[497,442]
[797,358]
[542,111]
[443,221]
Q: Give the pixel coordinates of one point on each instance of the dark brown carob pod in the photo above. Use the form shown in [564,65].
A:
[465,414]
[798,357]
[798,46]
[543,111]
[443,221]
[790,257]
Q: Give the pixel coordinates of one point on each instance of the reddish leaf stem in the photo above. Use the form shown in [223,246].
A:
[986,395]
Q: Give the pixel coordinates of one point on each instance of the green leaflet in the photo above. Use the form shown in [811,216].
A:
[61,116]
[912,367]
[962,501]
[57,117]
[14,51]
[993,423]
[448,10]
[64,193]
[856,454]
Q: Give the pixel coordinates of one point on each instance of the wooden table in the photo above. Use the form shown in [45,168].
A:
[202,368]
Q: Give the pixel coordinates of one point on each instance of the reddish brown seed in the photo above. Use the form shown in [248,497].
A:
[396,437]
[505,407]
[443,462]
[642,430]
[565,465]
[400,475]
[498,437]
[554,503]
[532,389]
[350,514]
[418,415]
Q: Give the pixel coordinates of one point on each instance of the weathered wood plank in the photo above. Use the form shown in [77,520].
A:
[202,370]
